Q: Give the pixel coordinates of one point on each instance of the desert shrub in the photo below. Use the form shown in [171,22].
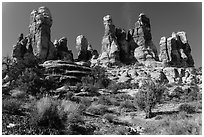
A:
[187,108]
[181,127]
[12,105]
[124,97]
[108,100]
[191,94]
[45,113]
[128,104]
[97,77]
[109,117]
[122,85]
[148,95]
[97,109]
[177,124]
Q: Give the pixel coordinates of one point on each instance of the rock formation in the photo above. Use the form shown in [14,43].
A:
[64,72]
[62,52]
[123,45]
[110,48]
[82,46]
[39,29]
[176,51]
[143,38]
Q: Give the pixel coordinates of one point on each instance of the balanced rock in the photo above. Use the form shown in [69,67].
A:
[142,37]
[39,29]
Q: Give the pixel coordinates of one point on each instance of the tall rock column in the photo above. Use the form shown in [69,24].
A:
[143,38]
[39,29]
[82,46]
[110,49]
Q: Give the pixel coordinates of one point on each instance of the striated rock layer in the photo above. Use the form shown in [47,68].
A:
[64,71]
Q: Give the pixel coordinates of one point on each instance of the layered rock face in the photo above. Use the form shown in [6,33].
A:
[110,48]
[39,29]
[176,51]
[64,72]
[143,38]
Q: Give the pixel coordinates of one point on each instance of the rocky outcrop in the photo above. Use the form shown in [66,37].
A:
[82,46]
[175,51]
[39,29]
[123,45]
[64,71]
[110,48]
[62,52]
[143,38]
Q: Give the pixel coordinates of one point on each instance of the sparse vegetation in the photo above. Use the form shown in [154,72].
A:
[187,108]
[147,97]
[12,105]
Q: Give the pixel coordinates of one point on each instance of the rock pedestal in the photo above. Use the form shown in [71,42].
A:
[110,48]
[39,29]
[142,37]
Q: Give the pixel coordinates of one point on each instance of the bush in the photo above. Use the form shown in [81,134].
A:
[109,117]
[148,95]
[97,109]
[97,78]
[181,127]
[187,108]
[107,100]
[117,86]
[128,104]
[11,105]
[46,114]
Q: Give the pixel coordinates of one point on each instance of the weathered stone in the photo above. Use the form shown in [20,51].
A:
[110,48]
[61,50]
[142,37]
[65,71]
[19,49]
[163,49]
[40,24]
[177,50]
[124,46]
[82,46]
[171,74]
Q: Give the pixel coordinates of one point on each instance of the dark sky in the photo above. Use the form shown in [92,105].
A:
[73,19]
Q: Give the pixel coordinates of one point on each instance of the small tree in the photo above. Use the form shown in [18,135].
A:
[148,95]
